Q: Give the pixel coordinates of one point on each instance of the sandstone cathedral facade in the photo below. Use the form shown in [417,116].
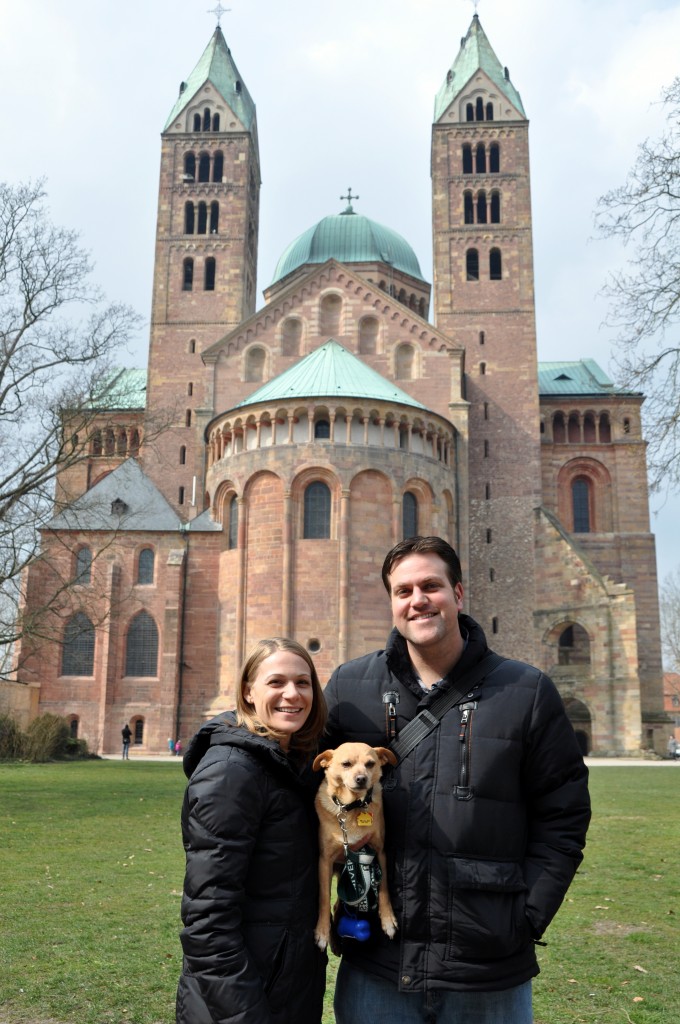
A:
[306,437]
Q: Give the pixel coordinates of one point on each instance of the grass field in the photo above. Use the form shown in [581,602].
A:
[92,867]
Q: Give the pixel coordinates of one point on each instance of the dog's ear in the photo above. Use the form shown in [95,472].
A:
[386,756]
[322,760]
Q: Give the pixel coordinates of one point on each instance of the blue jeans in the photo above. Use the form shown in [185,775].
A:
[364,997]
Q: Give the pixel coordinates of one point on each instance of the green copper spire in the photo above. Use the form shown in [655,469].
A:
[217,66]
[475,54]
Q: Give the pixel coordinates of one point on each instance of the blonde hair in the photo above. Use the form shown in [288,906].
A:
[305,741]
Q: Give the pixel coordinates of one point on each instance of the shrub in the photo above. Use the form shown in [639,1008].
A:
[46,738]
[11,739]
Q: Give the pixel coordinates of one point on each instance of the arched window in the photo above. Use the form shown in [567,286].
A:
[489,111]
[479,109]
[317,511]
[214,217]
[495,207]
[209,285]
[329,315]
[467,158]
[73,728]
[121,442]
[197,122]
[189,222]
[409,515]
[109,442]
[204,167]
[369,329]
[469,112]
[134,443]
[574,429]
[218,166]
[468,208]
[83,567]
[232,533]
[494,158]
[495,265]
[216,122]
[189,166]
[481,208]
[97,442]
[145,566]
[183,455]
[606,429]
[589,432]
[322,430]
[141,646]
[202,220]
[404,362]
[580,498]
[138,731]
[480,158]
[472,265]
[188,274]
[559,429]
[77,658]
[206,119]
[255,364]
[187,418]
[291,337]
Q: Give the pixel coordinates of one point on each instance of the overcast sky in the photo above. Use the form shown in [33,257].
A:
[344,97]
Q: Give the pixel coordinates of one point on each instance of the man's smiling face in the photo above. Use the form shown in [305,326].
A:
[425,605]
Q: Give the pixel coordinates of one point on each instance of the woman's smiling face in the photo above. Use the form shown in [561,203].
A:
[282,693]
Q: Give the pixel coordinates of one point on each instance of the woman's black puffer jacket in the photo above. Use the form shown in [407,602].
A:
[485,819]
[250,891]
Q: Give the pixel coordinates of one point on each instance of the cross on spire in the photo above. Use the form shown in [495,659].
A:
[219,11]
[349,197]
[475,4]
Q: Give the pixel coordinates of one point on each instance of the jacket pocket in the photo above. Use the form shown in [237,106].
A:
[276,972]
[486,909]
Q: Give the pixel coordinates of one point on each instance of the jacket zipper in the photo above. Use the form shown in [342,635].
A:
[464,737]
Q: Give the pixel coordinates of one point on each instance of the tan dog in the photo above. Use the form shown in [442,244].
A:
[352,772]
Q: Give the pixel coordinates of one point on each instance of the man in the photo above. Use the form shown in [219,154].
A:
[126,733]
[486,815]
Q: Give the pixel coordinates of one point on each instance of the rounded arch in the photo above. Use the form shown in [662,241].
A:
[406,361]
[594,487]
[291,336]
[146,566]
[255,363]
[141,646]
[579,715]
[369,336]
[330,314]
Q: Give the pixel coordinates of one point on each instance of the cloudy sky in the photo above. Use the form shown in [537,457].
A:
[344,97]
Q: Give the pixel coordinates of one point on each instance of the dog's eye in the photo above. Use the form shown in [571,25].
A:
[346,764]
[370,764]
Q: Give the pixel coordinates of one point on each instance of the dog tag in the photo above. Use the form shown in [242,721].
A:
[365,818]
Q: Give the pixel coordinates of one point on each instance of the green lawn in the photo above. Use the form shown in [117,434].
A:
[92,874]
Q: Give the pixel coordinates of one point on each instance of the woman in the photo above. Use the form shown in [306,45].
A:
[250,835]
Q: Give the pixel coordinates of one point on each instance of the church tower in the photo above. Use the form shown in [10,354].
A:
[206,259]
[484,301]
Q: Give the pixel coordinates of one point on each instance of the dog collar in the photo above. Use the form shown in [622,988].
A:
[355,803]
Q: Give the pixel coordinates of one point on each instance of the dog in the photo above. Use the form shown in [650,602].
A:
[352,778]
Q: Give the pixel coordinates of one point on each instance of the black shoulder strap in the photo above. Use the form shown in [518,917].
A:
[429,718]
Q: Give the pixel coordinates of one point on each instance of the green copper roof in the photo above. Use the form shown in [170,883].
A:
[349,238]
[476,53]
[217,66]
[330,372]
[583,377]
[122,389]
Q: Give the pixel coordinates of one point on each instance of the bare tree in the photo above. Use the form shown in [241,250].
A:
[644,213]
[58,338]
[669,604]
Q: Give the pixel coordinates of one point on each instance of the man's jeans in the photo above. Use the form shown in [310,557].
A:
[363,997]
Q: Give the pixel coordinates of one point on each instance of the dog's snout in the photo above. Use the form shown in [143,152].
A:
[360,779]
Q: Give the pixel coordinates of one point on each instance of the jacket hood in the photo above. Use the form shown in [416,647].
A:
[224,730]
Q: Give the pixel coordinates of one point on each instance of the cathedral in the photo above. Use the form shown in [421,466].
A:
[251,480]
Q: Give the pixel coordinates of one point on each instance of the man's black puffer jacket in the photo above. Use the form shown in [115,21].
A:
[250,891]
[485,819]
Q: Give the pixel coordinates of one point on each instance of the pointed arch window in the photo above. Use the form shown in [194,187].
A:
[77,657]
[146,566]
[317,511]
[467,158]
[409,515]
[218,166]
[83,567]
[141,647]
[209,285]
[188,274]
[189,219]
[495,265]
[472,265]
[480,159]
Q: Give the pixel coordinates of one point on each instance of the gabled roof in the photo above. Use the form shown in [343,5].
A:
[217,66]
[330,372]
[582,377]
[123,389]
[475,54]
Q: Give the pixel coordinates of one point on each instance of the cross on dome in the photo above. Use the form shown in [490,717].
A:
[349,197]
[219,11]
